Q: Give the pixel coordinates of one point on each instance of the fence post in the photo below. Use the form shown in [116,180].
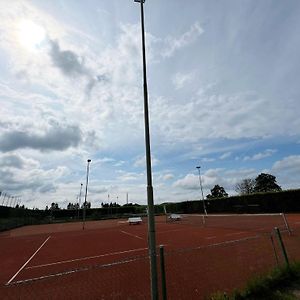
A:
[274,249]
[163,272]
[282,246]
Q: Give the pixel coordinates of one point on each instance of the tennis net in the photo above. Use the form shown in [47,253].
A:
[255,222]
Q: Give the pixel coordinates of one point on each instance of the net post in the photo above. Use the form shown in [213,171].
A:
[277,231]
[163,272]
[203,220]
[286,224]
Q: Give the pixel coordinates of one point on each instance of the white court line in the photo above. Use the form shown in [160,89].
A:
[169,231]
[210,237]
[236,233]
[85,258]
[32,256]
[136,236]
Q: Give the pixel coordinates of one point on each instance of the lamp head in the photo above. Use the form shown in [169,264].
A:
[89,160]
[139,1]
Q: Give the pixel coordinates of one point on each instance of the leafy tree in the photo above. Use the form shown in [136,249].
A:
[73,206]
[86,205]
[245,187]
[54,206]
[217,192]
[266,183]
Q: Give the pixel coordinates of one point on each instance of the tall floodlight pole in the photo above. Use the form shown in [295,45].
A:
[79,199]
[150,202]
[86,189]
[200,181]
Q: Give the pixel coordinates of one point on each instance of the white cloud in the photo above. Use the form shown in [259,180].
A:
[173,44]
[225,155]
[168,176]
[190,182]
[181,79]
[289,164]
[287,172]
[217,116]
[41,89]
[260,155]
[141,161]
[208,159]
[130,176]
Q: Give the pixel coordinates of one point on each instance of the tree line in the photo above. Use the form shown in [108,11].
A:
[262,183]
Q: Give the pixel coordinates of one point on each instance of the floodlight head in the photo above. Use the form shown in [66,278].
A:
[89,160]
[198,167]
[139,1]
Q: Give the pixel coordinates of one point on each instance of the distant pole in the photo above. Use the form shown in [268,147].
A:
[7,201]
[79,199]
[14,201]
[150,201]
[86,189]
[4,195]
[200,181]
[126,198]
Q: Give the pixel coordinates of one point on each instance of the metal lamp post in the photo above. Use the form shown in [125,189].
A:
[200,181]
[150,202]
[86,189]
[79,199]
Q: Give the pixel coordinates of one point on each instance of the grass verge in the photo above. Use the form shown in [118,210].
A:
[278,285]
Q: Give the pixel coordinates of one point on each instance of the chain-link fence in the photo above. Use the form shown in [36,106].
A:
[190,273]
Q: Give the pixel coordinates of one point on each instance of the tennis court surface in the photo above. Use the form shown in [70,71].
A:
[108,260]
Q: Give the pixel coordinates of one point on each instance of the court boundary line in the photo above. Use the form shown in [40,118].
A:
[85,258]
[130,234]
[87,268]
[31,257]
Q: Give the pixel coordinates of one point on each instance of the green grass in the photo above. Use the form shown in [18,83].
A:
[277,285]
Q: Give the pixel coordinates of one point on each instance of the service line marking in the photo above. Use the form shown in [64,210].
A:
[210,237]
[86,258]
[235,233]
[32,256]
[167,231]
[136,236]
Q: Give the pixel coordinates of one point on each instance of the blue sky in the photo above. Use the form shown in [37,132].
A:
[223,93]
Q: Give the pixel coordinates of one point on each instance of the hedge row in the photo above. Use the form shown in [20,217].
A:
[272,202]
[275,202]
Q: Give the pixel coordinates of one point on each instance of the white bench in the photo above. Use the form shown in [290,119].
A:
[135,220]
[174,217]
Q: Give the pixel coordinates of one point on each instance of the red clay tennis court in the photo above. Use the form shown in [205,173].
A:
[108,260]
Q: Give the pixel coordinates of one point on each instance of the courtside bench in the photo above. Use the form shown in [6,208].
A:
[174,217]
[135,220]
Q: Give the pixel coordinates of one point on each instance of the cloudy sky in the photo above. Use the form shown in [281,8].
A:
[223,80]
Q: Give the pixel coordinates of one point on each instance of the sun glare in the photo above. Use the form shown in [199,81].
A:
[31,35]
